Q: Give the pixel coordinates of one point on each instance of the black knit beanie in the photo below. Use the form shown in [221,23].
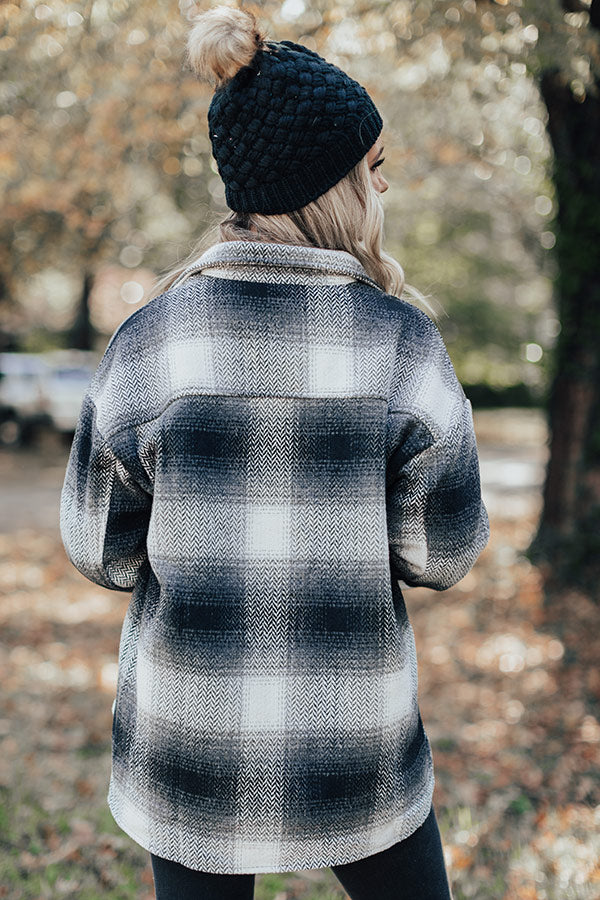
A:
[287,127]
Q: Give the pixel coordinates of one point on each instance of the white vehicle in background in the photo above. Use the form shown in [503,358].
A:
[69,374]
[21,396]
[42,390]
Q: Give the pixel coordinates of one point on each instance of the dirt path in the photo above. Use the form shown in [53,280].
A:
[513,454]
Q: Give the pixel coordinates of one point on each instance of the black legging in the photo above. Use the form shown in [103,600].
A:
[412,869]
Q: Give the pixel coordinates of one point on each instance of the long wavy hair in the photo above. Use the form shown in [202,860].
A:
[349,216]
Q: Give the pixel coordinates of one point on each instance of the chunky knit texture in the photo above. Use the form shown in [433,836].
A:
[262,461]
[287,128]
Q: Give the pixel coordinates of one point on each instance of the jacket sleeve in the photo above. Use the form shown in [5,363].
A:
[437,523]
[104,511]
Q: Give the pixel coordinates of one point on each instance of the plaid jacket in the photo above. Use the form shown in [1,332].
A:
[265,450]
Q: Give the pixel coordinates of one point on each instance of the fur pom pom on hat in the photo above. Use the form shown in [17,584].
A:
[285,125]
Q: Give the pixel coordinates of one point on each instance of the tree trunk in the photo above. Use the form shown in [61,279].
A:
[81,334]
[8,340]
[569,531]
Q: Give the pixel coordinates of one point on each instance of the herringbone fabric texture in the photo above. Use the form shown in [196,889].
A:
[261,462]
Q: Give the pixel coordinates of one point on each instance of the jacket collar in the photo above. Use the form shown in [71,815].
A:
[250,258]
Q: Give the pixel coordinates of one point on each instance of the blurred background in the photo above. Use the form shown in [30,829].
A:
[492,150]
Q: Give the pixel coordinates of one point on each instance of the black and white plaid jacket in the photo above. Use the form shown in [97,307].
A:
[265,450]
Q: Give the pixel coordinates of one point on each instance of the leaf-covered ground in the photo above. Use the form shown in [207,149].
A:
[509,691]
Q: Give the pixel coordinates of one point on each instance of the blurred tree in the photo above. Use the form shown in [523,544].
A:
[568,67]
[107,158]
[97,138]
[81,334]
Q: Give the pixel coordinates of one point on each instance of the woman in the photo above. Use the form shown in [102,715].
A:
[267,448]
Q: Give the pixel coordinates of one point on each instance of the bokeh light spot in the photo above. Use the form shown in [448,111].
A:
[131,292]
[533,353]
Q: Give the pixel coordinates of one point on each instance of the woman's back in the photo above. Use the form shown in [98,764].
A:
[266,436]
[267,449]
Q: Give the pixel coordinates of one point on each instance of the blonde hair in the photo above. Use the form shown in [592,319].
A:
[349,216]
[221,42]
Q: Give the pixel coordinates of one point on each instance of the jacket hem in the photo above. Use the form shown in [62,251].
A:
[395,829]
